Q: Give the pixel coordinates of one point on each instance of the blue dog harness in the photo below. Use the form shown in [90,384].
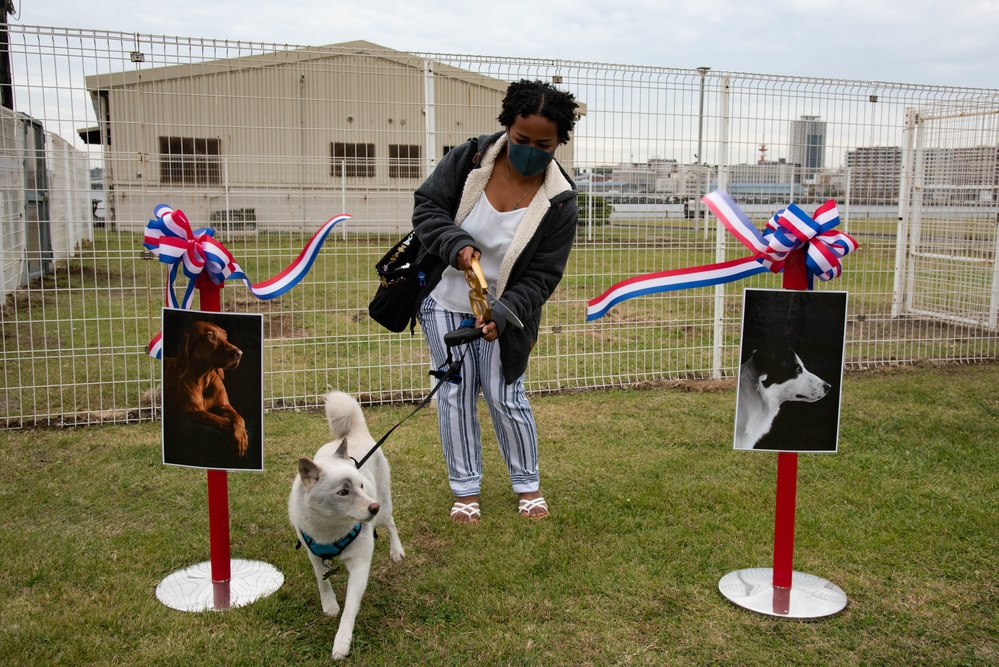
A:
[327,552]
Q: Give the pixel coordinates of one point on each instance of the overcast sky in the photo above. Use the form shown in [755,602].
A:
[941,42]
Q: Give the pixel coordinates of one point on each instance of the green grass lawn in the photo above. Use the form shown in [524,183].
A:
[651,507]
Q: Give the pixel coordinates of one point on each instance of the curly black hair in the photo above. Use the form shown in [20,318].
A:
[527,98]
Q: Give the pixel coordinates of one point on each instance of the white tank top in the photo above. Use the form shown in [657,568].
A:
[493,232]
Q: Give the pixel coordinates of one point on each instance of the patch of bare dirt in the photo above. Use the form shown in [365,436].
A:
[22,300]
[699,386]
[88,272]
[909,328]
[281,325]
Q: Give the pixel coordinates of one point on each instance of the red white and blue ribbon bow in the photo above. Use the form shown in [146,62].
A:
[788,229]
[170,238]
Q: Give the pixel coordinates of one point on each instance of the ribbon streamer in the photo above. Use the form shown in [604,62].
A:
[170,238]
[787,230]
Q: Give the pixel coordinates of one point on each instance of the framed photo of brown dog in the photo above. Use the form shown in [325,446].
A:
[791,370]
[213,390]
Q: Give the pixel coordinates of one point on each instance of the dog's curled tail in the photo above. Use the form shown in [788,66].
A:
[343,414]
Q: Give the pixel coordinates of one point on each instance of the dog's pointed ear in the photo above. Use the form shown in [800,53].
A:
[342,451]
[308,471]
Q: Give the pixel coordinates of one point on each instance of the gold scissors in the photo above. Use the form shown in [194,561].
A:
[476,280]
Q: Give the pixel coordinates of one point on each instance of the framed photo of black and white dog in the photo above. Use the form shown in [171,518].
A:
[791,370]
[212,394]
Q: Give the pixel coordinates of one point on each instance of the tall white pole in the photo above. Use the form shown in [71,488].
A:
[720,233]
[698,206]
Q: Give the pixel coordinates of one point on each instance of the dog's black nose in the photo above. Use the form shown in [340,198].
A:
[374,507]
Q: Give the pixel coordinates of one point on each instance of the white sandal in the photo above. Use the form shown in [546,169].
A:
[468,510]
[525,506]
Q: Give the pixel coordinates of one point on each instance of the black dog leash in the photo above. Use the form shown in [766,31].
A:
[443,376]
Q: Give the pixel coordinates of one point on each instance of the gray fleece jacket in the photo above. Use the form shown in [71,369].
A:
[532,267]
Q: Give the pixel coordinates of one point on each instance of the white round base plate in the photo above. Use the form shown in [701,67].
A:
[809,597]
[192,588]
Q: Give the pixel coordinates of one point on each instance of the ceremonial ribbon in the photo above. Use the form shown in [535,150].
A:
[787,230]
[170,238]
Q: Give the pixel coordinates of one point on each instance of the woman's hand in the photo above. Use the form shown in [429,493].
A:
[465,256]
[490,330]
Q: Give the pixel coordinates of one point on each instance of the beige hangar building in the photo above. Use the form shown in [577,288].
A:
[285,140]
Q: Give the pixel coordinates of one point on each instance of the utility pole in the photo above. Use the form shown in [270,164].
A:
[6,80]
[700,116]
[700,147]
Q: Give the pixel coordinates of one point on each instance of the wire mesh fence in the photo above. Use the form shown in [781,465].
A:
[264,142]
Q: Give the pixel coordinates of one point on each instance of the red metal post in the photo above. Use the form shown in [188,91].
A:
[218,536]
[795,278]
[218,482]
[787,486]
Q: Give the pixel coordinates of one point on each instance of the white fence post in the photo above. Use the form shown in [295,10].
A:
[724,159]
[905,206]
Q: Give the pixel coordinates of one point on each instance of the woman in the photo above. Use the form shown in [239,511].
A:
[515,212]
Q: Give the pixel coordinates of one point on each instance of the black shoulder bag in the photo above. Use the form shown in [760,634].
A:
[401,277]
[400,280]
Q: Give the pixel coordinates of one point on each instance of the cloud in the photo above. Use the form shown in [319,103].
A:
[920,41]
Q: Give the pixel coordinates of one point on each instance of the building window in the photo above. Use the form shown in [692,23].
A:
[404,161]
[190,161]
[352,160]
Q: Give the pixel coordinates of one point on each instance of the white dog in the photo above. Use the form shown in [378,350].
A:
[766,380]
[334,508]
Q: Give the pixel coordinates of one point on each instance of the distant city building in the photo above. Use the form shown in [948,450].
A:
[875,174]
[960,175]
[635,177]
[830,184]
[808,145]
[763,181]
[693,181]
[870,175]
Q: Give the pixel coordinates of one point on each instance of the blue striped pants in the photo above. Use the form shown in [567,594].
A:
[457,416]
